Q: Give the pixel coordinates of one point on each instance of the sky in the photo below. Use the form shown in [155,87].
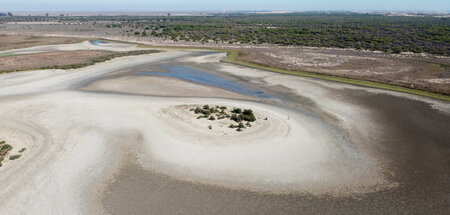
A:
[224,5]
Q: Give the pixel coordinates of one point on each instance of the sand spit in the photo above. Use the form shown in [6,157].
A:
[78,137]
[34,82]
[86,45]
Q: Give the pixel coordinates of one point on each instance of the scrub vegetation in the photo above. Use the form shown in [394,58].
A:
[4,150]
[393,34]
[236,115]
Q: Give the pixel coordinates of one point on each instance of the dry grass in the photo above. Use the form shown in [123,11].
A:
[22,41]
[424,74]
[61,60]
[42,60]
[233,58]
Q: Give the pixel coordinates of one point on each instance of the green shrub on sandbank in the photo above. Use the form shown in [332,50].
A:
[221,112]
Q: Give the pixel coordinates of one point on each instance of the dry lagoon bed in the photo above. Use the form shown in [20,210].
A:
[105,139]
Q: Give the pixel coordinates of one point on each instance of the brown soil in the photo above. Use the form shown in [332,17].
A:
[23,41]
[425,74]
[46,60]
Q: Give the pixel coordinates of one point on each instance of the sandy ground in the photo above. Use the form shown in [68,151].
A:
[41,60]
[84,127]
[85,45]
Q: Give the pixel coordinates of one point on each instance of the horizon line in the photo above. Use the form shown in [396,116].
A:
[221,11]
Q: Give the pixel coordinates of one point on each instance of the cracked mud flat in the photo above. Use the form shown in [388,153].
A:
[106,142]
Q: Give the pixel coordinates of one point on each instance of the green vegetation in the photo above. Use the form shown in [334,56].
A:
[5,55]
[13,157]
[4,149]
[239,115]
[236,114]
[394,34]
[358,31]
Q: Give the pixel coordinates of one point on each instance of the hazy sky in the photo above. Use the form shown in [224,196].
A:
[203,5]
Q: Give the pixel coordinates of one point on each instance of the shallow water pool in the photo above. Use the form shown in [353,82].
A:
[98,42]
[196,76]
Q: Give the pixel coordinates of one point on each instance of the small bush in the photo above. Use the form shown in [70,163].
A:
[6,146]
[5,149]
[247,112]
[13,157]
[237,110]
[22,150]
[248,115]
[212,118]
[197,110]
[248,118]
[206,112]
[236,118]
[209,126]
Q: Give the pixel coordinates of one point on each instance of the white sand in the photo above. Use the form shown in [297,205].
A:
[211,58]
[85,45]
[78,138]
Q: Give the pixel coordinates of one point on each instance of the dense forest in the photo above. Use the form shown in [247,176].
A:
[392,34]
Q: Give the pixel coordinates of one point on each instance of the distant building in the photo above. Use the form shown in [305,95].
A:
[10,14]
[46,14]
